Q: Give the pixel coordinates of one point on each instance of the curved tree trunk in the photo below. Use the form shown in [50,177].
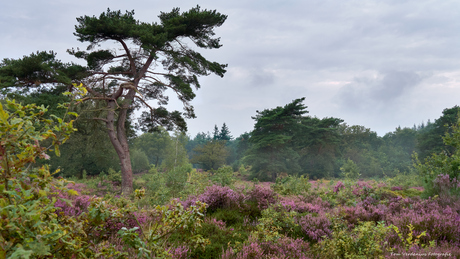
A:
[120,143]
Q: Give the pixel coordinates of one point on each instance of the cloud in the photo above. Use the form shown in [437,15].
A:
[377,92]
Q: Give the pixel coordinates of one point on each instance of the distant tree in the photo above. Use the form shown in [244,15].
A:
[89,148]
[200,139]
[139,160]
[318,146]
[429,140]
[215,133]
[211,155]
[176,154]
[272,151]
[151,58]
[224,133]
[154,145]
[350,170]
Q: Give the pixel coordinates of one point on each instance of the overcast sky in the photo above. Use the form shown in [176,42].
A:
[380,64]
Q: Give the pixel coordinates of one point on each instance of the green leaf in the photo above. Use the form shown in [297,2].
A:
[56,150]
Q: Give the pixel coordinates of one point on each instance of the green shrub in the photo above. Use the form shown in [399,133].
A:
[350,170]
[366,240]
[196,183]
[219,238]
[292,185]
[223,176]
[114,176]
[277,217]
[28,225]
[231,217]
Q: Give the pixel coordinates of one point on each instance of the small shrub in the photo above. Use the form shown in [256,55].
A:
[292,185]
[223,176]
[366,240]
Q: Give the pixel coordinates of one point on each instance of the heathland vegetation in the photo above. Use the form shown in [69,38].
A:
[79,180]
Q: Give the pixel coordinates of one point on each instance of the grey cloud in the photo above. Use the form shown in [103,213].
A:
[261,78]
[373,93]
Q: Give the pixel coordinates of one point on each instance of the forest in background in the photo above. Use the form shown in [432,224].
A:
[285,141]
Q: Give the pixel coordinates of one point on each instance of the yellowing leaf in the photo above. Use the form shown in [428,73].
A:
[3,115]
[72,192]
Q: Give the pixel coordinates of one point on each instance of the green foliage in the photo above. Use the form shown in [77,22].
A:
[276,217]
[224,176]
[176,155]
[410,241]
[153,240]
[272,150]
[292,185]
[286,141]
[180,182]
[176,180]
[350,170]
[139,161]
[430,139]
[219,237]
[211,155]
[28,225]
[89,148]
[365,241]
[406,180]
[114,176]
[35,69]
[443,163]
[196,182]
[154,145]
[232,217]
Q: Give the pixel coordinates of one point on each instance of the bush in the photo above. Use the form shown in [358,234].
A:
[28,225]
[366,240]
[223,176]
[292,185]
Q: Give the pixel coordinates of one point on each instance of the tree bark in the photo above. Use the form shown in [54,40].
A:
[120,143]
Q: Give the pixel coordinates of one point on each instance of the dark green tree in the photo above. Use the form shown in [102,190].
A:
[224,133]
[317,144]
[272,151]
[429,139]
[152,58]
[215,133]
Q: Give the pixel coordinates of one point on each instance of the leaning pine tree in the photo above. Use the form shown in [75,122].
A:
[152,58]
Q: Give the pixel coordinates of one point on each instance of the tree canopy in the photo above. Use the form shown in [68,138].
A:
[152,58]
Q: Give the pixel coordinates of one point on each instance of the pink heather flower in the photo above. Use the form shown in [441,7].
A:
[338,186]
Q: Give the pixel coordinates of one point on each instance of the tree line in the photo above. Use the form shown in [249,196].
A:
[284,141]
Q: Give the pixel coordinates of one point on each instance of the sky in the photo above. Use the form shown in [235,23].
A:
[379,64]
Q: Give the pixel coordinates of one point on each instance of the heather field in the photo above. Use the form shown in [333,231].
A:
[291,218]
[174,210]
